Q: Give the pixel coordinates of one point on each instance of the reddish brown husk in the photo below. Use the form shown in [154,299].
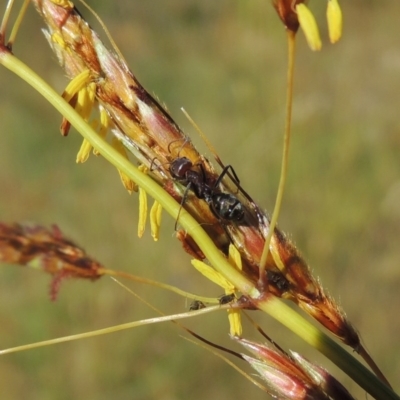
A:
[155,136]
[48,250]
[189,245]
[286,12]
[284,378]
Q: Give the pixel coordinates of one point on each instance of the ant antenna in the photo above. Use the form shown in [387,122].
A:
[186,140]
[210,147]
[204,138]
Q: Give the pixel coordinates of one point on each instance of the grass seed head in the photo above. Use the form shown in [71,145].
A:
[287,13]
[283,377]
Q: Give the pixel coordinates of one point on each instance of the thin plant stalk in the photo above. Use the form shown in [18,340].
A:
[291,36]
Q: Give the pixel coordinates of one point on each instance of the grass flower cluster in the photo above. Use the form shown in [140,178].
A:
[233,241]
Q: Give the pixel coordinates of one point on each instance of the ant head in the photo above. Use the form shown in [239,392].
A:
[179,167]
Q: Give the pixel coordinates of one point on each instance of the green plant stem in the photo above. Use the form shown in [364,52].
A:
[285,152]
[273,306]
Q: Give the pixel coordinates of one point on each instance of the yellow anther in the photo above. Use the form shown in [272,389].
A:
[155,220]
[235,319]
[142,212]
[309,26]
[273,248]
[335,20]
[128,183]
[104,122]
[210,273]
[142,207]
[91,90]
[235,257]
[235,323]
[213,275]
[69,5]
[59,40]
[85,102]
[71,94]
[84,151]
[102,129]
[76,84]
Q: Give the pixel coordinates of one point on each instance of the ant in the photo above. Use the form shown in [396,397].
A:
[225,206]
[196,305]
[226,299]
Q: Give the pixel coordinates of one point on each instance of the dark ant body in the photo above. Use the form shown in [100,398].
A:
[226,299]
[224,205]
[196,305]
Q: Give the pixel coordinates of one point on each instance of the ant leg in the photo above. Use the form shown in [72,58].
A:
[228,170]
[184,197]
[203,172]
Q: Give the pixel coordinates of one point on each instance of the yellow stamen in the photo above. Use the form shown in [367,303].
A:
[235,257]
[59,41]
[214,276]
[85,101]
[142,207]
[142,212]
[103,129]
[76,84]
[68,5]
[84,151]
[234,316]
[235,322]
[128,183]
[155,220]
[309,27]
[335,20]
[275,255]
[80,82]
[104,122]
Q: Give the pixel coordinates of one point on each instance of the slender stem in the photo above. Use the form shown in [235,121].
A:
[4,22]
[146,281]
[111,329]
[17,23]
[285,155]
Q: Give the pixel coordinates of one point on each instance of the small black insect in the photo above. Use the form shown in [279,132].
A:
[278,280]
[227,298]
[225,206]
[196,305]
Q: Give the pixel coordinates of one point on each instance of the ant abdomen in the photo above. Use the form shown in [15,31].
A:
[227,207]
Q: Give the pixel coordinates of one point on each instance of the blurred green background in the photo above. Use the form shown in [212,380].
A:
[225,62]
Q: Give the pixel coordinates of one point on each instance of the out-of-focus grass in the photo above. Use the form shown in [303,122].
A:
[225,63]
